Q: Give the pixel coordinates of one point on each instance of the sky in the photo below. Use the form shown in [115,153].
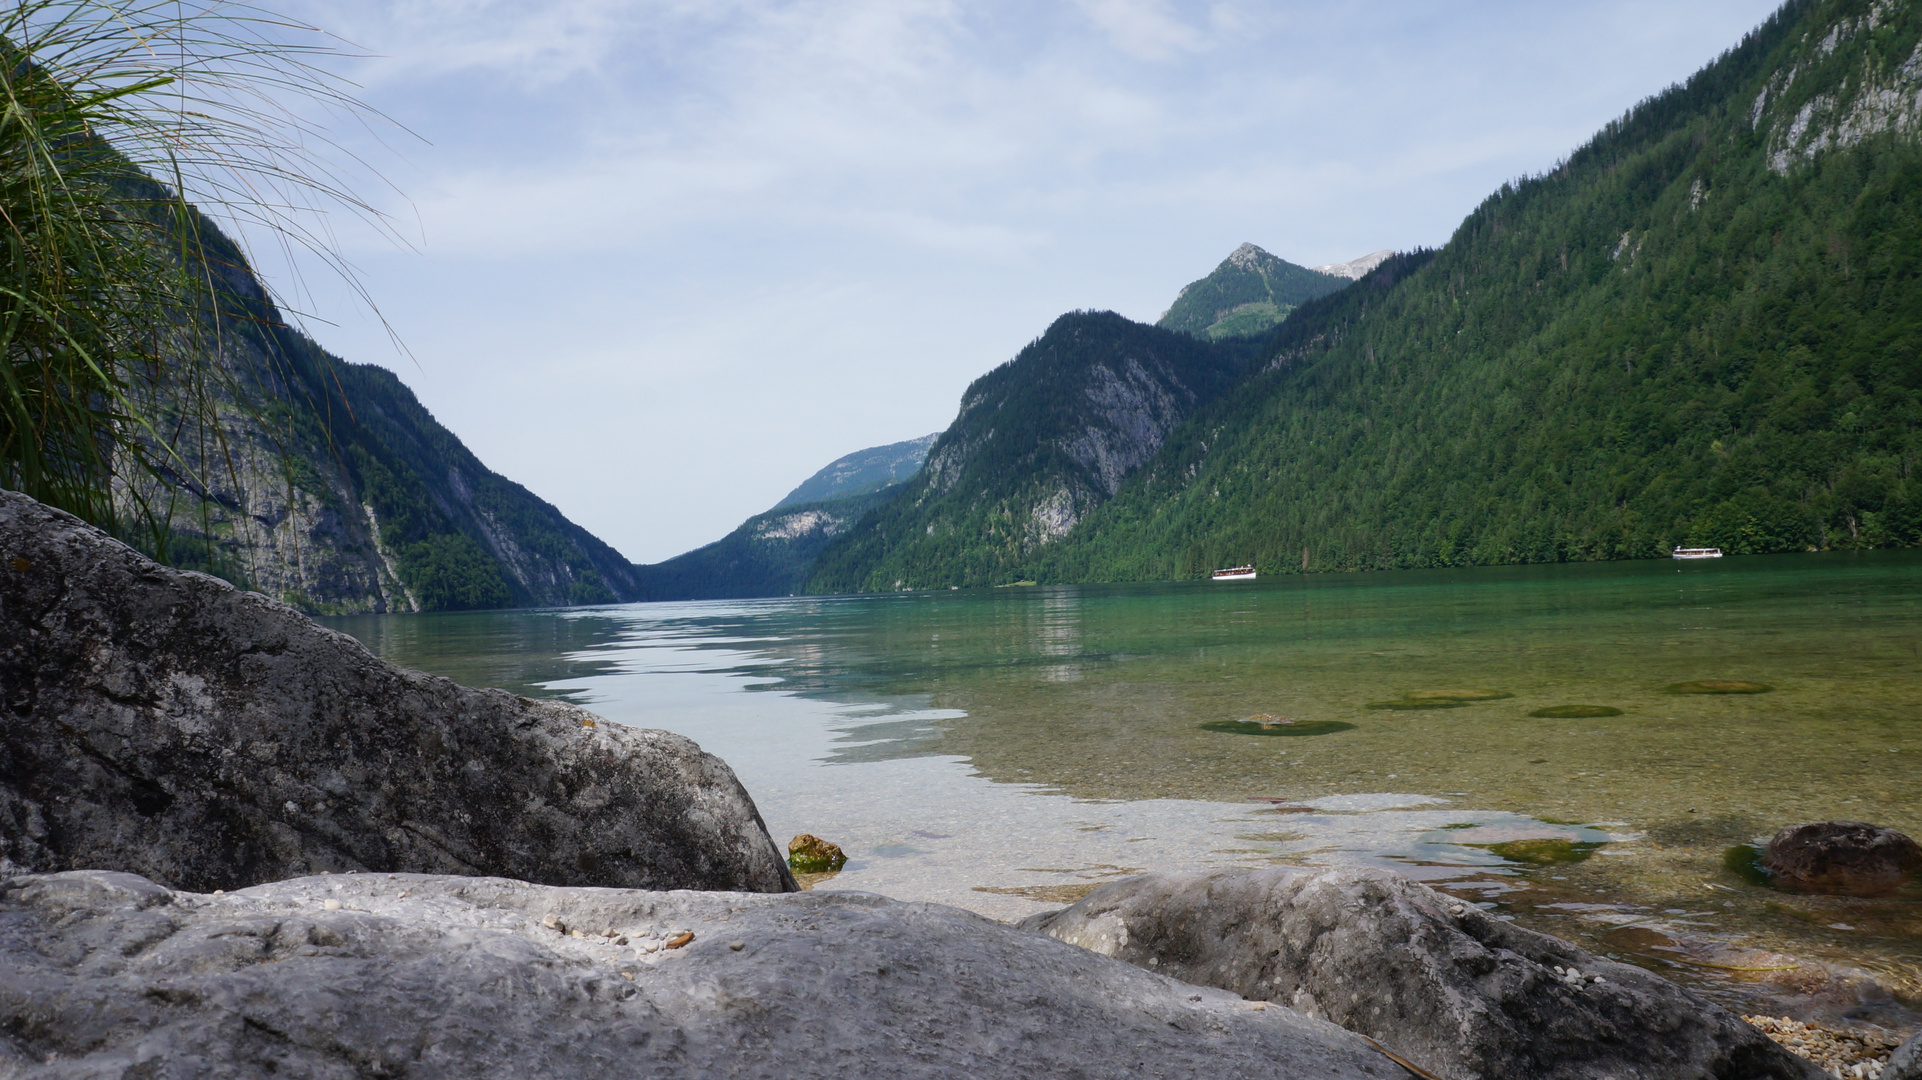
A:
[660,260]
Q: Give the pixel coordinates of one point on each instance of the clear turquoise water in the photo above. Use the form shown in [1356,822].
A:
[1005,749]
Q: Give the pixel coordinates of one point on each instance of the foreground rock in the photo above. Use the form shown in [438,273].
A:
[1847,858]
[1452,989]
[169,724]
[378,975]
[1906,1062]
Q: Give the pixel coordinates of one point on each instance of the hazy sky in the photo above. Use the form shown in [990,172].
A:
[672,257]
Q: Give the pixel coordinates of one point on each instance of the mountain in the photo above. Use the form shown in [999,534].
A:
[1356,269]
[1704,327]
[861,472]
[770,554]
[327,484]
[774,553]
[1040,442]
[1247,294]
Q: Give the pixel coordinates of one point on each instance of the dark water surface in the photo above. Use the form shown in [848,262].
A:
[1006,749]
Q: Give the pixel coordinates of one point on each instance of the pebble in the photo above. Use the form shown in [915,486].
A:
[1841,1052]
[330,905]
[737,946]
[553,922]
[679,939]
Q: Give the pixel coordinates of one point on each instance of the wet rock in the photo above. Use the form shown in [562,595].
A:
[1454,990]
[1906,1062]
[109,975]
[809,854]
[169,724]
[1847,858]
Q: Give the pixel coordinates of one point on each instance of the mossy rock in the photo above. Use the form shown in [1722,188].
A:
[809,854]
[1717,686]
[1745,862]
[1548,851]
[1300,727]
[1575,712]
[1416,706]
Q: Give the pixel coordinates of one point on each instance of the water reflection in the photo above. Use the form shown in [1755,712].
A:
[1030,742]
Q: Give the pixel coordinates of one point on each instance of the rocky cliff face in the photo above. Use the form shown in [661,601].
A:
[328,485]
[166,723]
[1039,442]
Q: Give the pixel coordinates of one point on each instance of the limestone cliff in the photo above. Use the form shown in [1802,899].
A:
[327,485]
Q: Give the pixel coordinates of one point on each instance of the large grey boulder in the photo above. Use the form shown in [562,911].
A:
[1452,989]
[169,724]
[110,975]
[1906,1062]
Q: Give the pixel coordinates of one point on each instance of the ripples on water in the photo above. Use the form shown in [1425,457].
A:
[1521,735]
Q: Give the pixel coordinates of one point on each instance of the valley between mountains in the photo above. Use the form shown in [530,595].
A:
[1704,327]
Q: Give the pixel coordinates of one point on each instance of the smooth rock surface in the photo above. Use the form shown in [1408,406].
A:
[1848,858]
[110,975]
[1452,989]
[168,724]
[1906,1062]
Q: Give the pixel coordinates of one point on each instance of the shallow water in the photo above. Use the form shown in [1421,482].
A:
[1007,749]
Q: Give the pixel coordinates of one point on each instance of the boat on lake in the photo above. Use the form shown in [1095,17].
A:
[1234,573]
[1696,553]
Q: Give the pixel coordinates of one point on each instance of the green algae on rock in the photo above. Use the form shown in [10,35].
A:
[1546,851]
[1299,727]
[1717,686]
[809,854]
[1575,712]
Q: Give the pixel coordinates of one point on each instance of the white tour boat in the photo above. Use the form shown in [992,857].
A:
[1234,573]
[1696,553]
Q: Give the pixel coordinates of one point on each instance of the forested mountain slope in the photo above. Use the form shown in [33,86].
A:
[1039,442]
[1247,294]
[1703,328]
[862,472]
[328,485]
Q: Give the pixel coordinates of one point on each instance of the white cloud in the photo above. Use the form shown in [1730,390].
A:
[1143,28]
[849,208]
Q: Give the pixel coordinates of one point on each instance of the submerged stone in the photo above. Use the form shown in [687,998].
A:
[1298,727]
[1845,858]
[809,854]
[1575,712]
[1717,686]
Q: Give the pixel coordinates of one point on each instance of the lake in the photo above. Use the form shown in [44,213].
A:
[1585,747]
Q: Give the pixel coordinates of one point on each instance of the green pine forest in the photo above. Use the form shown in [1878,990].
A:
[1661,341]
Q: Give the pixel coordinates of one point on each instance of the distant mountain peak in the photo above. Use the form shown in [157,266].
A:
[1246,257]
[1356,269]
[1248,293]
